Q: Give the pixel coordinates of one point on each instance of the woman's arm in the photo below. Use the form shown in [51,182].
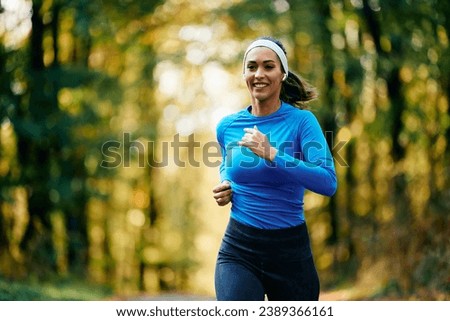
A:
[316,168]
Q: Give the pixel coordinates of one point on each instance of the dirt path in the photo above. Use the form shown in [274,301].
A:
[340,295]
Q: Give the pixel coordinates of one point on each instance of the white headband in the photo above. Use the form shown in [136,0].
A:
[271,45]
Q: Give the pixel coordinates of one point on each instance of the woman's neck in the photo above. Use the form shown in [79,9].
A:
[266,107]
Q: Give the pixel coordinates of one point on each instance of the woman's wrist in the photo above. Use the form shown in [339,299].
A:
[272,153]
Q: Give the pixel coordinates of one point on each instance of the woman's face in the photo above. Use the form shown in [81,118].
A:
[263,74]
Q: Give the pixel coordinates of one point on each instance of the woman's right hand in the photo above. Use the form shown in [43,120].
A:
[222,193]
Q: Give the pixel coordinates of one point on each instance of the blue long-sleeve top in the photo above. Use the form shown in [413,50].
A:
[269,194]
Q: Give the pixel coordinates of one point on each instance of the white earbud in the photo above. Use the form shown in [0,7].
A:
[284,77]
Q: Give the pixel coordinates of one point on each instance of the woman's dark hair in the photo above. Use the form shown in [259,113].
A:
[294,90]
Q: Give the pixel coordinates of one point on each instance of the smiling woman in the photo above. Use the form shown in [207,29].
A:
[266,168]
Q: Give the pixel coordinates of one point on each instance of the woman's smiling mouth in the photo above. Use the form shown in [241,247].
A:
[260,85]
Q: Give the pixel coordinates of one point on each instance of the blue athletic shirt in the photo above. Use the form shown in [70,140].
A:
[267,194]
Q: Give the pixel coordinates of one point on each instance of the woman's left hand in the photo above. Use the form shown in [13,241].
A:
[258,143]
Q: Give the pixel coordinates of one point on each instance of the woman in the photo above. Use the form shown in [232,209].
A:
[272,151]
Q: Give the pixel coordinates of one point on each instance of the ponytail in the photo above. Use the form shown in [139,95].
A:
[296,91]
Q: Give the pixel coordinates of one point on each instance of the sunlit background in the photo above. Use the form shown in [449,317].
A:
[153,75]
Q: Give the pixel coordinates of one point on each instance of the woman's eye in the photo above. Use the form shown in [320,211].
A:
[251,67]
[270,67]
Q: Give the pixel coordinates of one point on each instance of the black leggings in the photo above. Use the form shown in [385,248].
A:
[255,262]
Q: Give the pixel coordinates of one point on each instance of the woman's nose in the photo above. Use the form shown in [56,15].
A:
[259,72]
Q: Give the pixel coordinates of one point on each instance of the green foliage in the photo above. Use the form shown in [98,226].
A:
[90,71]
[59,290]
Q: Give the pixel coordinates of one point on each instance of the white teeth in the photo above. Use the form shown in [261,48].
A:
[260,85]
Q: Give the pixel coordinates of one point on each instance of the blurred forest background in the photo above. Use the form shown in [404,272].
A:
[107,156]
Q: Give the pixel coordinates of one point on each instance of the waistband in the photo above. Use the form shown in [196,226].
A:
[279,234]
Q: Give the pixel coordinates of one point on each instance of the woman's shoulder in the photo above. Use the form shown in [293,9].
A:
[229,119]
[297,113]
